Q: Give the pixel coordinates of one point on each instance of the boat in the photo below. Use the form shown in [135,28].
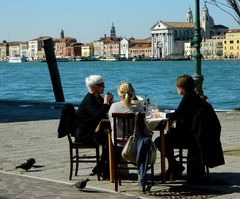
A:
[58,60]
[108,59]
[17,60]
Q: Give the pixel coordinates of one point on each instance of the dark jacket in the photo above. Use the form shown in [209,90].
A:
[184,114]
[67,121]
[206,129]
[90,112]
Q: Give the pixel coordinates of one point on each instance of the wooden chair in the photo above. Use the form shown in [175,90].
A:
[67,127]
[127,120]
[76,157]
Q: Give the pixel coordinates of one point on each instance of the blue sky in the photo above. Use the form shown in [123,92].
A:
[87,20]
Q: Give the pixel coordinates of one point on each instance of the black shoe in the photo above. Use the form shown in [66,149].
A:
[175,172]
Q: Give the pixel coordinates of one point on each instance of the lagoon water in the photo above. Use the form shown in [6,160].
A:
[31,80]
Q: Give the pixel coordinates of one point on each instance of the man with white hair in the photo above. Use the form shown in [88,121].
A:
[92,109]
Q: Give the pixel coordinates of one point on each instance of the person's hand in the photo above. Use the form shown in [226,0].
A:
[108,98]
[110,95]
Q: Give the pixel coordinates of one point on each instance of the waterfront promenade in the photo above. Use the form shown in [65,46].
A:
[30,130]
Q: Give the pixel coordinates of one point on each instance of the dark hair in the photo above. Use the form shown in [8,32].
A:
[186,82]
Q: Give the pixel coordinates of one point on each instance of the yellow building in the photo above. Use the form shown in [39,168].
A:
[87,50]
[231,45]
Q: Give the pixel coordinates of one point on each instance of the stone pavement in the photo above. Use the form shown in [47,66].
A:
[21,138]
[21,187]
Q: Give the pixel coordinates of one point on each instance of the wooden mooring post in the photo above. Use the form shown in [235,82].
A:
[53,69]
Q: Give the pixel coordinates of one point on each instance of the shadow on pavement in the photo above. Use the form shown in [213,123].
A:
[219,184]
[21,111]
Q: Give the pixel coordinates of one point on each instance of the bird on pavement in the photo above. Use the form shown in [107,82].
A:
[27,165]
[81,184]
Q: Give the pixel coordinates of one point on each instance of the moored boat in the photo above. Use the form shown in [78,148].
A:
[17,60]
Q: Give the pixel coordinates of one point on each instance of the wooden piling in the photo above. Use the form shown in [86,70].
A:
[53,69]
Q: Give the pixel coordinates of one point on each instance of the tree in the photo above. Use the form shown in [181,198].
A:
[228,6]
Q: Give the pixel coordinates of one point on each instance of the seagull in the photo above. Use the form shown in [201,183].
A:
[27,165]
[81,184]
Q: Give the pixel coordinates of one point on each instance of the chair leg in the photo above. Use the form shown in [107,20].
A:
[77,163]
[97,162]
[181,156]
[116,173]
[207,171]
[119,177]
[152,174]
[71,163]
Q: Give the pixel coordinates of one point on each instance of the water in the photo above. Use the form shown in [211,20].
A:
[31,81]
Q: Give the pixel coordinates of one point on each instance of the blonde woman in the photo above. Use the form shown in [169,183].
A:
[126,103]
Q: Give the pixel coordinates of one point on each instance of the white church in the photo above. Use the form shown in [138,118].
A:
[168,38]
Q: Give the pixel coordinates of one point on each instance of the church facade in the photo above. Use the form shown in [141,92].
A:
[168,38]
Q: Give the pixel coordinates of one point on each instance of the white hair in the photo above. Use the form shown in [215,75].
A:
[93,80]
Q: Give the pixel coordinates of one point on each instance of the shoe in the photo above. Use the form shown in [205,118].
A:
[175,172]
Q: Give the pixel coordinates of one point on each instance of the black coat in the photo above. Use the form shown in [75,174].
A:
[90,112]
[206,129]
[67,122]
[184,114]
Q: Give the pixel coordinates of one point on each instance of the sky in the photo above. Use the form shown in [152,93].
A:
[88,20]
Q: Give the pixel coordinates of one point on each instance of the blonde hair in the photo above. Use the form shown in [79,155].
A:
[126,92]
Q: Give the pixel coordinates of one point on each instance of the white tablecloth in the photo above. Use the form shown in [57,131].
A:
[154,122]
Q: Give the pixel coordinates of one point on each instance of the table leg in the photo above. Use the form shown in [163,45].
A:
[163,166]
[111,158]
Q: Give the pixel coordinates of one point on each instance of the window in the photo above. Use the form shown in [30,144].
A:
[231,41]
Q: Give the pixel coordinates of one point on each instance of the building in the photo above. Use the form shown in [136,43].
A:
[169,38]
[62,43]
[209,28]
[4,50]
[124,48]
[217,43]
[231,45]
[140,48]
[24,49]
[111,47]
[98,48]
[207,49]
[87,50]
[35,48]
[14,49]
[74,50]
[210,48]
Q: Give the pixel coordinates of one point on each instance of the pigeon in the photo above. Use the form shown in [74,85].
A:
[81,184]
[27,165]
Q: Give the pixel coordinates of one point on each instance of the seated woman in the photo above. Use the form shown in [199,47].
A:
[126,95]
[184,114]
[92,109]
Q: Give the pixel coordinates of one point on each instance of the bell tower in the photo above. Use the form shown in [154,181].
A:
[189,16]
[113,31]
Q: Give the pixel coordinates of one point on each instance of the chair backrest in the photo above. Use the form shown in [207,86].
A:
[126,121]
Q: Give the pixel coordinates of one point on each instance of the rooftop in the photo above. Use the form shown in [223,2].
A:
[234,31]
[178,24]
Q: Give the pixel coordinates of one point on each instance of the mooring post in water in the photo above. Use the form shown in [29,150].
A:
[53,70]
